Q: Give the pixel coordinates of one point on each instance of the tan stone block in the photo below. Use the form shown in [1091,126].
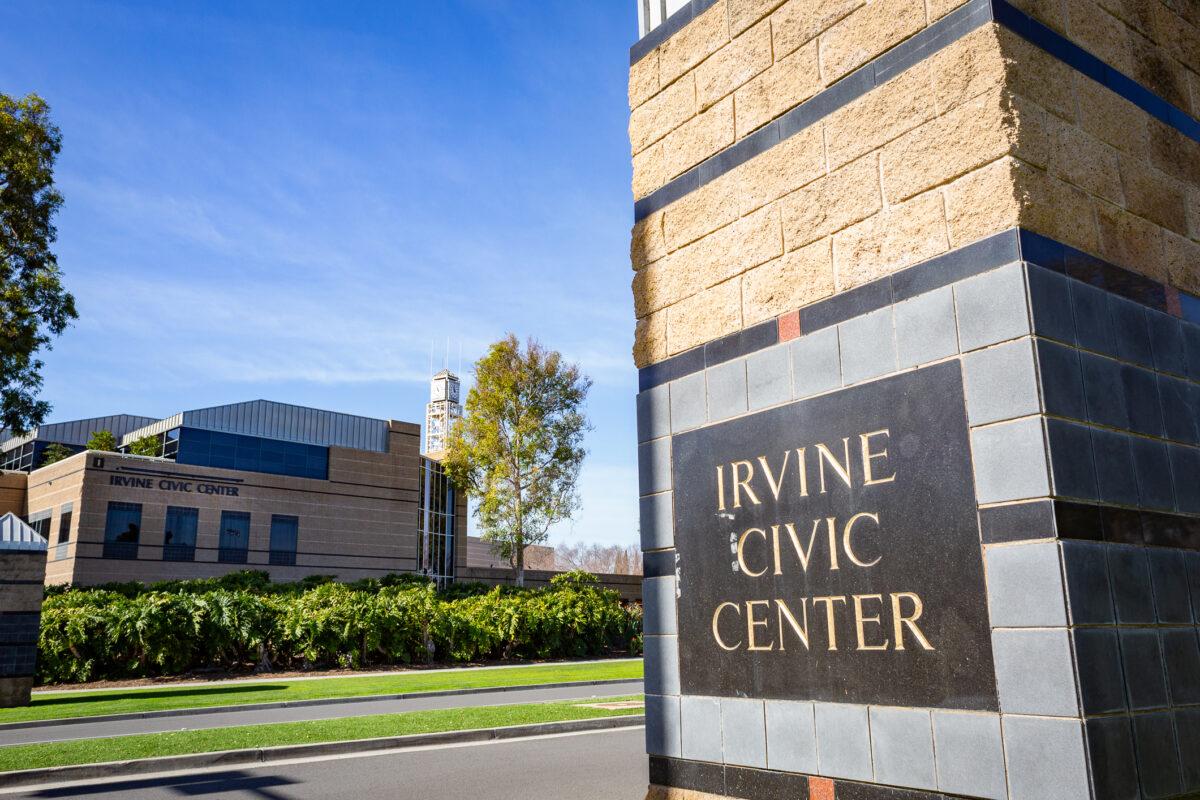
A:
[1085,161]
[702,136]
[866,33]
[792,80]
[1173,153]
[1157,71]
[798,22]
[647,242]
[881,115]
[801,277]
[649,170]
[1131,242]
[1050,12]
[1193,212]
[1153,195]
[1188,9]
[1183,262]
[945,148]
[744,13]
[1178,36]
[832,203]
[712,206]
[1137,14]
[643,79]
[1195,82]
[662,114]
[650,339]
[705,316]
[1100,33]
[699,39]
[1111,118]
[796,161]
[1033,140]
[734,64]
[897,237]
[940,8]
[1037,75]
[982,202]
[663,283]
[968,68]
[1054,208]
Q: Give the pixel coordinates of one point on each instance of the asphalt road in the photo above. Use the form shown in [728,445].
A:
[224,719]
[602,765]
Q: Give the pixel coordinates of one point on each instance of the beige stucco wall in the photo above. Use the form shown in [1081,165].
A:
[12,493]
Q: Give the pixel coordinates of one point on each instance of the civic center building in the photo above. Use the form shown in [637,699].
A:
[257,485]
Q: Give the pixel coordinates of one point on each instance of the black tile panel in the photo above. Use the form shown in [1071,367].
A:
[1017,523]
[1093,327]
[1098,665]
[1104,391]
[1089,597]
[1157,754]
[1133,596]
[1187,727]
[1115,479]
[743,342]
[1145,676]
[1114,765]
[1072,465]
[1062,380]
[965,262]
[1171,530]
[1078,521]
[1129,328]
[1166,340]
[847,305]
[1179,421]
[1123,525]
[658,564]
[699,776]
[1142,402]
[1168,575]
[761,784]
[1153,468]
[1181,652]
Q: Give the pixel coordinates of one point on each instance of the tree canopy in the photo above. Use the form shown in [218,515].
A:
[34,306]
[102,440]
[519,447]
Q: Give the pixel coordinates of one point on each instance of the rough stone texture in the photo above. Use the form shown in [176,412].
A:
[832,203]
[698,40]
[898,237]
[733,65]
[798,22]
[879,116]
[871,29]
[662,114]
[798,278]
[793,79]
[699,138]
[794,162]
[705,316]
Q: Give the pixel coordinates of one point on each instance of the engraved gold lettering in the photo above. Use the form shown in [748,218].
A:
[782,611]
[831,526]
[869,478]
[752,624]
[800,552]
[841,469]
[860,620]
[803,471]
[848,544]
[900,621]
[776,485]
[740,483]
[716,620]
[829,621]
[720,487]
[741,554]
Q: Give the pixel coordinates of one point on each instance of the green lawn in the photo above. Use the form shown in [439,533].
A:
[60,705]
[91,751]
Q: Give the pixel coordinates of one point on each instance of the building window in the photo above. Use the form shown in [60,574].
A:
[40,522]
[285,531]
[435,523]
[205,448]
[122,530]
[235,537]
[65,513]
[179,534]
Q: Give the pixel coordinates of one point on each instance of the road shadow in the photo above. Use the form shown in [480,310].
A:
[250,784]
[193,692]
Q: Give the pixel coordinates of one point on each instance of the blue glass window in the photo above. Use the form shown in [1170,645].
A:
[235,537]
[122,530]
[285,532]
[179,534]
[252,454]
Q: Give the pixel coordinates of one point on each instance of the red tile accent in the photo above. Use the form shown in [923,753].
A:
[1173,306]
[820,789]
[789,326]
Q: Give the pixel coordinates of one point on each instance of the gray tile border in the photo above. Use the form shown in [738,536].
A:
[656,519]
[689,402]
[658,600]
[743,732]
[726,389]
[791,736]
[1025,586]
[700,721]
[926,329]
[661,659]
[654,466]
[868,346]
[1010,461]
[1035,672]
[1001,382]
[662,726]
[816,363]
[970,754]
[902,747]
[654,413]
[1046,758]
[843,741]
[992,307]
[769,377]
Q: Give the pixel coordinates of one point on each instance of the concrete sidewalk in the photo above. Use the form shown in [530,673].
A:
[128,725]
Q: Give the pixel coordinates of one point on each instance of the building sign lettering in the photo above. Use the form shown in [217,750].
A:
[173,485]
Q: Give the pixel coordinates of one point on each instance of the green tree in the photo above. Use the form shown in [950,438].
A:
[102,440]
[148,445]
[519,447]
[33,303]
[55,452]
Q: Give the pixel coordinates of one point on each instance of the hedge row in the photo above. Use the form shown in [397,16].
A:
[240,621]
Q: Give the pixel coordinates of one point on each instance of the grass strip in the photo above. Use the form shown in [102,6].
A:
[151,745]
[63,705]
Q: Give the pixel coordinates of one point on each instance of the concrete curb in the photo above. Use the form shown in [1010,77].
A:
[324,701]
[262,755]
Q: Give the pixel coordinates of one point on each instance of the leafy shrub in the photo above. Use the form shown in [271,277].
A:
[235,621]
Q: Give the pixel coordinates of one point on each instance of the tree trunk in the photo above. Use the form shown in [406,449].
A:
[520,561]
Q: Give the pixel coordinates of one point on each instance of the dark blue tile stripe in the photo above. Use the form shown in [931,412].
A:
[875,73]
[1015,244]
[948,29]
[670,26]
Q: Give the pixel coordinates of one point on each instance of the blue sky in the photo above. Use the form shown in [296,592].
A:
[292,200]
